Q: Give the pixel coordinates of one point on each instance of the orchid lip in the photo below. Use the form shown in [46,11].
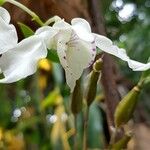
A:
[73,40]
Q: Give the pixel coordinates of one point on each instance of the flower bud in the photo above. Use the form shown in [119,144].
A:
[2,2]
[92,86]
[77,98]
[122,143]
[126,107]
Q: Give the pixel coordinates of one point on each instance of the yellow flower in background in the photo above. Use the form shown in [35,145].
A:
[45,64]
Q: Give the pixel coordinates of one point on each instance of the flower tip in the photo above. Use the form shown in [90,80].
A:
[2,2]
[57,18]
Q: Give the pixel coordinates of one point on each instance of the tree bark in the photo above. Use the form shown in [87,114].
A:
[112,96]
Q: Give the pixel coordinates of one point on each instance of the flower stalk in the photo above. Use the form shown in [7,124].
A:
[51,20]
[76,106]
[122,143]
[85,133]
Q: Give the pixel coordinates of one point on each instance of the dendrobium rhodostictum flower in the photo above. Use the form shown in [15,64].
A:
[18,60]
[75,45]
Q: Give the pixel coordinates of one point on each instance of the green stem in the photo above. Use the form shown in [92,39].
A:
[85,134]
[75,135]
[51,20]
[113,136]
[27,10]
[141,81]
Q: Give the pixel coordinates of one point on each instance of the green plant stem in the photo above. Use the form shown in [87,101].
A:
[141,81]
[51,20]
[113,136]
[34,16]
[85,134]
[75,135]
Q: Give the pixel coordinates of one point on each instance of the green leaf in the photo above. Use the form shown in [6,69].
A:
[50,100]
[52,55]
[26,30]
[2,2]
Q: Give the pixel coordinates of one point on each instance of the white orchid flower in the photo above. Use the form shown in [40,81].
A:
[75,46]
[138,66]
[107,46]
[18,60]
[8,34]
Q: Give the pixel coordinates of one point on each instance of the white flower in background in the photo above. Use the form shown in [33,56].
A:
[18,60]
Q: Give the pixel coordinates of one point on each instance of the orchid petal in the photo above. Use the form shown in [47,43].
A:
[70,79]
[82,29]
[82,23]
[21,61]
[8,34]
[4,14]
[78,58]
[138,66]
[61,51]
[62,40]
[47,34]
[61,25]
[107,46]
